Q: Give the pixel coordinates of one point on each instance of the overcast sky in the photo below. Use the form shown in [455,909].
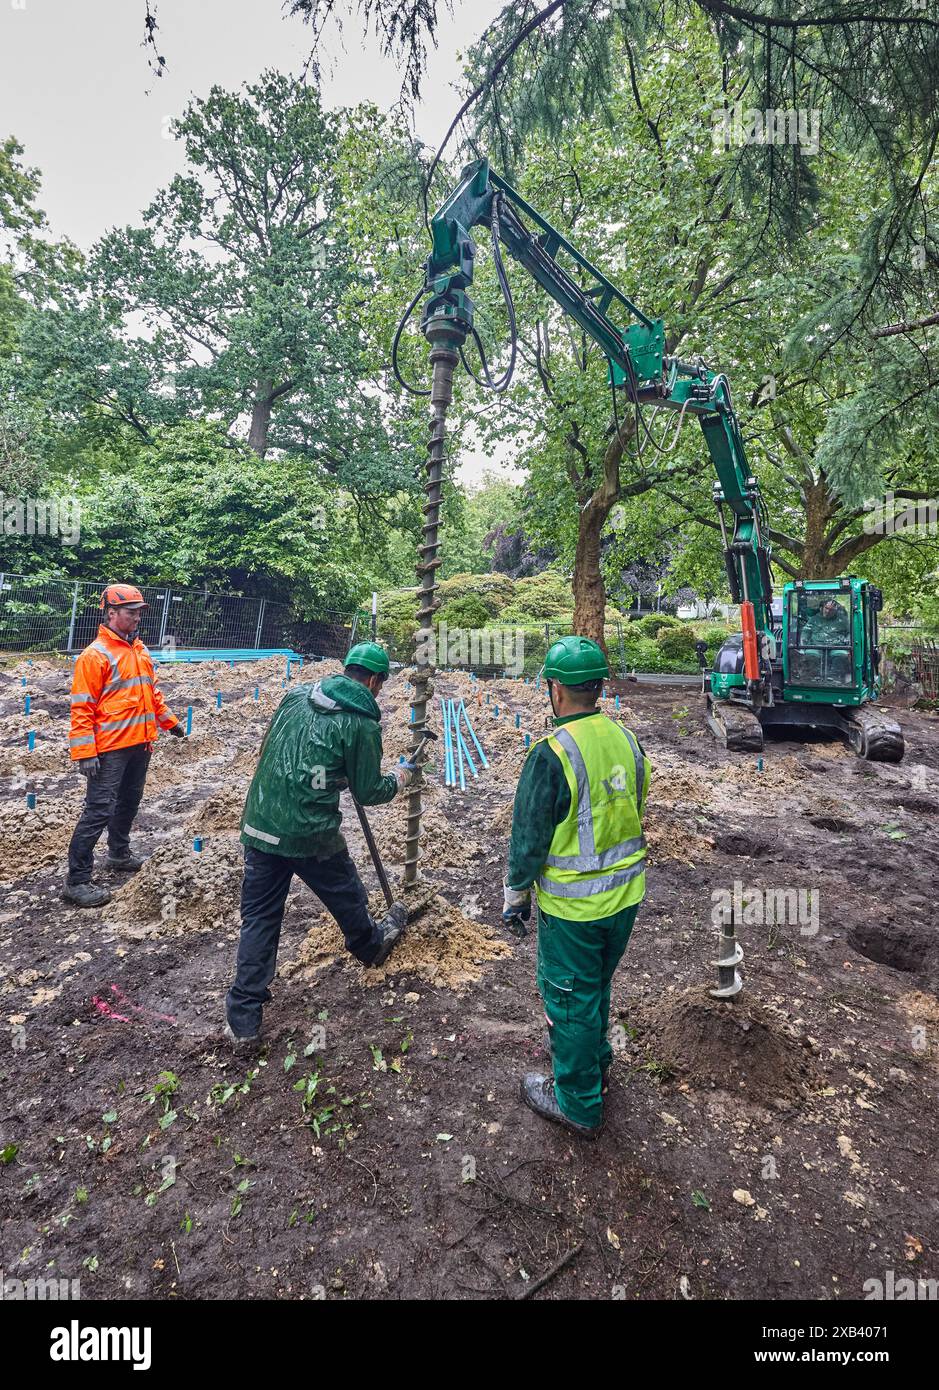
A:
[76,91]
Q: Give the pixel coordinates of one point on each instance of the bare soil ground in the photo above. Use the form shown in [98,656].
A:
[782,1146]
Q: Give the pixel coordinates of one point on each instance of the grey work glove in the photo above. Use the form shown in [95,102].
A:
[89,767]
[404,775]
[516,909]
[178,731]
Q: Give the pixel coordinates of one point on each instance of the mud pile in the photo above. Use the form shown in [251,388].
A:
[441,945]
[178,890]
[738,1046]
[31,839]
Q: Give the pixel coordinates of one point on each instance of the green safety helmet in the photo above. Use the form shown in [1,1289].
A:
[370,655]
[574,660]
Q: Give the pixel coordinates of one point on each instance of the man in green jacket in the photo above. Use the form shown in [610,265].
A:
[828,627]
[322,739]
[577,836]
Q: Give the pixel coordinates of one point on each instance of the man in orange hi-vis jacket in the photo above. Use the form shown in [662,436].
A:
[116,710]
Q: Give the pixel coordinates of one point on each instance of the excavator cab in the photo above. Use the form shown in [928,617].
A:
[829,642]
[820,639]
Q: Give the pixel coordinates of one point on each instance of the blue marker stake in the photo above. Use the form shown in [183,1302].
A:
[197,845]
[496,708]
[26,704]
[30,801]
[30,741]
[188,720]
[617,702]
[518,721]
[218,699]
[527,740]
[22,680]
[759,764]
[256,695]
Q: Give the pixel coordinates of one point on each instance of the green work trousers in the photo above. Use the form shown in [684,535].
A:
[576,961]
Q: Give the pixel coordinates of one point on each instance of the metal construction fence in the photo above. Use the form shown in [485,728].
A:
[62,615]
[499,649]
[925,663]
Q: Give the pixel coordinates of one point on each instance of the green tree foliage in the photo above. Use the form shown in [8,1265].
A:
[248,278]
[30,264]
[660,201]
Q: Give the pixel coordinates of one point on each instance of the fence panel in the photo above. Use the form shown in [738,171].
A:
[62,615]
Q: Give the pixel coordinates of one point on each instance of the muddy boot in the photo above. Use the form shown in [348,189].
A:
[240,1044]
[124,863]
[538,1094]
[85,894]
[392,929]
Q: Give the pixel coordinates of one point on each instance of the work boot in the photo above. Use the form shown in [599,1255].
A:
[85,894]
[391,927]
[604,1074]
[240,1044]
[123,863]
[538,1094]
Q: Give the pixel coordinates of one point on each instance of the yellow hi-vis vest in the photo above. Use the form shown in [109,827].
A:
[596,862]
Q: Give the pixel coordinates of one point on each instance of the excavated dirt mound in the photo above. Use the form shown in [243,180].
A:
[442,945]
[736,1046]
[668,838]
[178,890]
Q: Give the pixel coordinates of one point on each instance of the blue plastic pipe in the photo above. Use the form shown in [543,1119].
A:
[447,758]
[479,747]
[459,751]
[465,750]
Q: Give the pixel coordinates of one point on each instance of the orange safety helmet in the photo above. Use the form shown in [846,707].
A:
[122,596]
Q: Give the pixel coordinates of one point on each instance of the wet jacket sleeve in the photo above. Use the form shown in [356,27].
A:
[363,764]
[88,680]
[542,802]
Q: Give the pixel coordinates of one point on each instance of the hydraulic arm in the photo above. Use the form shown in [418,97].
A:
[638,362]
[639,367]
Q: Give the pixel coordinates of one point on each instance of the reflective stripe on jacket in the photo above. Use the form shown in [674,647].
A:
[596,862]
[116,701]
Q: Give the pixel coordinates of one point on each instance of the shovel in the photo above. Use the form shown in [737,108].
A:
[367,829]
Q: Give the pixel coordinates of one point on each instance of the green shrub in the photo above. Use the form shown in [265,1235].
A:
[652,623]
[467,612]
[493,590]
[544,596]
[677,643]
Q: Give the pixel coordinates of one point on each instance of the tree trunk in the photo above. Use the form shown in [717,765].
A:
[589,588]
[815,561]
[261,417]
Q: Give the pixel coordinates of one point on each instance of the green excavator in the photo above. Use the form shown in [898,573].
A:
[809,663]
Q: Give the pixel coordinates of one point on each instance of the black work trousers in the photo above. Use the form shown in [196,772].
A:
[267,880]
[112,799]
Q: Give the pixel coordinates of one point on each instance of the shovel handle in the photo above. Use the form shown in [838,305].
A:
[373,851]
